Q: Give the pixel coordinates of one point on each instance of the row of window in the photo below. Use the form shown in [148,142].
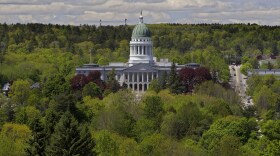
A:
[141,40]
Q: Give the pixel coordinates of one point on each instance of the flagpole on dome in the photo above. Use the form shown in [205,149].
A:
[141,17]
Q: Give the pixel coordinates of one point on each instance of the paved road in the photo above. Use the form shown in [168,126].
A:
[238,82]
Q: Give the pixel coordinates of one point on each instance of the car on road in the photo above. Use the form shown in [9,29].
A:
[234,74]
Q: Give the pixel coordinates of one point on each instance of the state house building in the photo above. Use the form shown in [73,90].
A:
[141,67]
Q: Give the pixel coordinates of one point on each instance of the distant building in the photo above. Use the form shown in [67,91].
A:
[263,72]
[6,88]
[35,85]
[141,67]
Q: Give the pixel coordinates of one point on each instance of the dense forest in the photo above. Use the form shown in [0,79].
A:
[51,111]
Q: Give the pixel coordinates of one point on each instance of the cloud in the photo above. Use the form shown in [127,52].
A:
[114,12]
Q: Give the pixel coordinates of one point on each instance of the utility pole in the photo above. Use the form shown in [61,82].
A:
[100,22]
[125,20]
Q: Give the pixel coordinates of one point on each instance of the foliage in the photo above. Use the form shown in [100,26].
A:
[173,80]
[6,110]
[37,143]
[20,91]
[112,84]
[26,115]
[183,123]
[245,67]
[68,139]
[234,126]
[12,139]
[91,89]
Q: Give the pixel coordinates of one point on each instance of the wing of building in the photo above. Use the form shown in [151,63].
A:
[141,68]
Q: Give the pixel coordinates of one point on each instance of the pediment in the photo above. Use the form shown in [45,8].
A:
[141,67]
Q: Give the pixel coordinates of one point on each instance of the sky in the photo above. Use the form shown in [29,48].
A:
[113,12]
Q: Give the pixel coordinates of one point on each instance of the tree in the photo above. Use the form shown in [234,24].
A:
[265,99]
[51,119]
[228,126]
[112,84]
[13,139]
[78,81]
[55,85]
[143,128]
[183,122]
[158,144]
[155,86]
[20,91]
[202,74]
[6,110]
[105,144]
[271,129]
[91,89]
[229,146]
[186,76]
[26,115]
[173,81]
[37,142]
[95,77]
[68,139]
[153,109]
[245,67]
[162,81]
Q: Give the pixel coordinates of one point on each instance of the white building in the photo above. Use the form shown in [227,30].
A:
[141,67]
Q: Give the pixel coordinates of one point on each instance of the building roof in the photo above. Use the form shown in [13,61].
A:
[141,67]
[141,30]
[6,87]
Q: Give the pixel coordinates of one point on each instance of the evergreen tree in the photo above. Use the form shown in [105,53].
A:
[50,121]
[68,139]
[112,83]
[174,83]
[163,80]
[36,144]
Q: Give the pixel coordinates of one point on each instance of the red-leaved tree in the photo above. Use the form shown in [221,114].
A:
[202,74]
[95,77]
[78,81]
[186,76]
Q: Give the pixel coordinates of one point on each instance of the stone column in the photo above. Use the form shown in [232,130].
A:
[152,75]
[133,87]
[133,77]
[142,50]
